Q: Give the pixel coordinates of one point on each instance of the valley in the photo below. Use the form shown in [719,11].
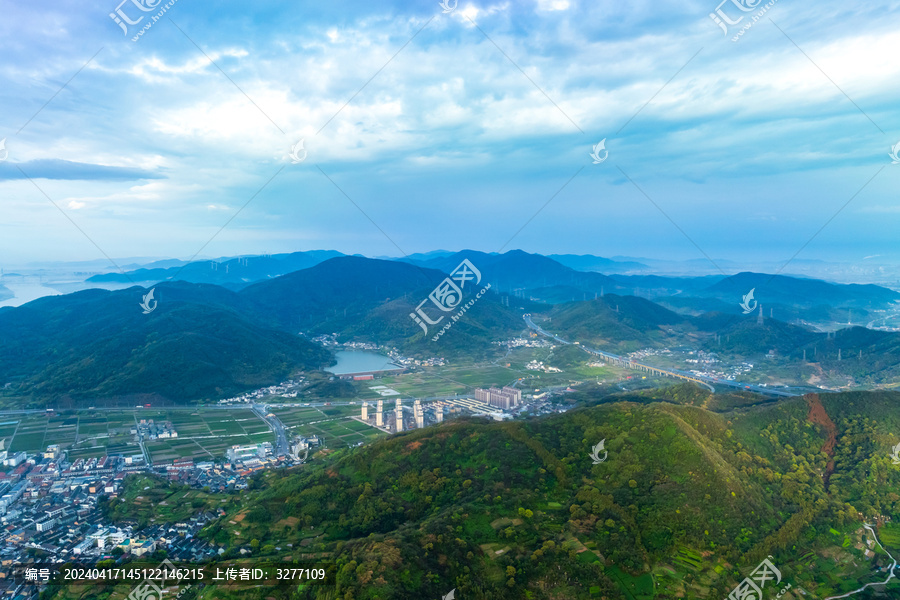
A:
[257,411]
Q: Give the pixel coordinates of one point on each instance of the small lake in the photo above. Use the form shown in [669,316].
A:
[360,361]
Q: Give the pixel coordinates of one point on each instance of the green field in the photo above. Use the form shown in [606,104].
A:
[332,423]
[203,434]
[463,378]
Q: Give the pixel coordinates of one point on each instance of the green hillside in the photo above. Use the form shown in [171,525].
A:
[206,342]
[685,505]
[794,291]
[99,344]
[615,323]
[363,299]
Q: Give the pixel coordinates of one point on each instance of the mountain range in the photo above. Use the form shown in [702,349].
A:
[100,343]
[97,344]
[233,273]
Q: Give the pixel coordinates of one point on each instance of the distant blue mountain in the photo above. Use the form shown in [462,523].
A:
[232,273]
[588,262]
[519,270]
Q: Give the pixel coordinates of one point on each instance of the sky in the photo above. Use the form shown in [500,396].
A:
[472,128]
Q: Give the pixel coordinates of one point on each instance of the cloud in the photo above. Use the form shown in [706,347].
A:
[477,123]
[52,168]
[553,5]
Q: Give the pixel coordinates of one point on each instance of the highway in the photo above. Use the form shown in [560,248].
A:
[281,441]
[707,382]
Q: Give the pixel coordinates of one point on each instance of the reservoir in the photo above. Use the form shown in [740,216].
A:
[361,361]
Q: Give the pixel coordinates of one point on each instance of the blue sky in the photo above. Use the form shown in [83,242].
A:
[748,151]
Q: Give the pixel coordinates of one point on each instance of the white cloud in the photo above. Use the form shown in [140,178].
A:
[553,5]
[451,102]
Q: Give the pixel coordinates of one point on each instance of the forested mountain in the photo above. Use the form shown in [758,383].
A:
[561,278]
[100,343]
[204,341]
[797,292]
[615,323]
[194,345]
[518,270]
[684,505]
[349,285]
[364,299]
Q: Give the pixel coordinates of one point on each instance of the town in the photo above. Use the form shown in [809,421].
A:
[50,507]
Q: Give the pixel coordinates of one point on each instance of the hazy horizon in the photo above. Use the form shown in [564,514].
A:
[472,128]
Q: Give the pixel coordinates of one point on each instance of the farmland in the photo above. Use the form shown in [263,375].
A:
[202,433]
[332,423]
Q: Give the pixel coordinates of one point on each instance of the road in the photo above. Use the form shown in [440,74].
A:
[708,382]
[140,440]
[281,441]
[890,570]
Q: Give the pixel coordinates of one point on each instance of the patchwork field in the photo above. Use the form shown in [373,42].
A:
[332,423]
[205,433]
[463,378]
[202,433]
